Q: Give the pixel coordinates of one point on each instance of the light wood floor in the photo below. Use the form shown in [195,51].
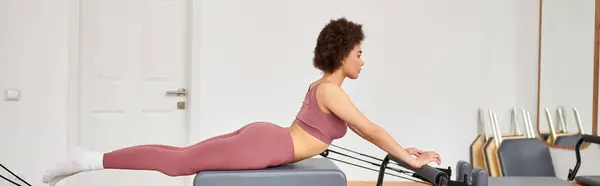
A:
[390,183]
[400,183]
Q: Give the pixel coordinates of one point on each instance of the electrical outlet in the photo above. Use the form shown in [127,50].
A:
[12,95]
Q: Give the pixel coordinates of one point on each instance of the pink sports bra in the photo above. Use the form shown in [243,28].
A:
[323,126]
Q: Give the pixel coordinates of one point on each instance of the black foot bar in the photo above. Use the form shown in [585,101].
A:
[428,174]
[15,183]
[584,138]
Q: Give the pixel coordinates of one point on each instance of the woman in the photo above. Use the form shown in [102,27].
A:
[325,115]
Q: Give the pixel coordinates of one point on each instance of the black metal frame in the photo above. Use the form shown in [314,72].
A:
[15,175]
[584,138]
[441,179]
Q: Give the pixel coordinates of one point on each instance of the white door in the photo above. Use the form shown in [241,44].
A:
[132,53]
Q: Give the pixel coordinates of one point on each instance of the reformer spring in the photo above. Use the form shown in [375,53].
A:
[15,183]
[406,172]
[442,177]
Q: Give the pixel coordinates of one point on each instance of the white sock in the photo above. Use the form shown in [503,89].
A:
[87,160]
[56,180]
[80,160]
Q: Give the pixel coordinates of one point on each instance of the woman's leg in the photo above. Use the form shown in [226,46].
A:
[83,160]
[242,149]
[251,148]
[169,147]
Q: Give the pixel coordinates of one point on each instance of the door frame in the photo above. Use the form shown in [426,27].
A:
[73,73]
[73,77]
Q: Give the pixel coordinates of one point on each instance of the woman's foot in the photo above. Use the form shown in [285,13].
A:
[56,180]
[79,160]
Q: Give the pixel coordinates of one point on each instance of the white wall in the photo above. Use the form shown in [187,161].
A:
[462,56]
[33,58]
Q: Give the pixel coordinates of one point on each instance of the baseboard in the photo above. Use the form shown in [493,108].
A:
[387,183]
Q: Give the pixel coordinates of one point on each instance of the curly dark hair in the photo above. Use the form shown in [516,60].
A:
[335,41]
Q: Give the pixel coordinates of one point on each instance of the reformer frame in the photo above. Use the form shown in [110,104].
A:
[426,174]
[15,175]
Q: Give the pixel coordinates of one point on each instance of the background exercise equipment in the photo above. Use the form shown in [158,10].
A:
[525,156]
[489,149]
[480,178]
[495,151]
[503,154]
[485,151]
[562,137]
[476,154]
[586,180]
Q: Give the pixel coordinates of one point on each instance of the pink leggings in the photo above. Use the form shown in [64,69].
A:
[255,146]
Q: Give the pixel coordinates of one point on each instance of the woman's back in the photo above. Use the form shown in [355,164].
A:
[315,127]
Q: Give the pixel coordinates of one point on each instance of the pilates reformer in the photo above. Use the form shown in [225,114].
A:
[14,175]
[323,172]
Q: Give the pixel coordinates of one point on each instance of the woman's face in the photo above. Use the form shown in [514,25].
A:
[352,64]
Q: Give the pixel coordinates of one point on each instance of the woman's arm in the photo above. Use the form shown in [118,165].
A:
[356,131]
[336,100]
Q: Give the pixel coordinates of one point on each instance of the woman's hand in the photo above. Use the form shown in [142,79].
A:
[414,151]
[426,158]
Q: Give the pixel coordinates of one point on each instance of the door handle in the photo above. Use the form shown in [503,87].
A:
[178,92]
